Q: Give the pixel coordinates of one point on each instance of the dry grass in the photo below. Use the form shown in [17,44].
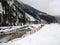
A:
[19,34]
[24,33]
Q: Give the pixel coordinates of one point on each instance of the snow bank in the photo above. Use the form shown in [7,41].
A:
[48,35]
[9,29]
[1,8]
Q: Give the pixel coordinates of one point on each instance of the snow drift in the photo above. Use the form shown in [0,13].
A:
[48,35]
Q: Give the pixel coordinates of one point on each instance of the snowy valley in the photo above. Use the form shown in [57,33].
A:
[25,24]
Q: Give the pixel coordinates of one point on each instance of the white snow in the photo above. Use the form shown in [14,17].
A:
[1,8]
[7,30]
[30,18]
[11,29]
[48,35]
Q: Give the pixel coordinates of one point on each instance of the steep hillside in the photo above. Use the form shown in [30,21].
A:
[14,13]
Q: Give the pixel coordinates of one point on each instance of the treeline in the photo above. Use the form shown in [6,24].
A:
[14,13]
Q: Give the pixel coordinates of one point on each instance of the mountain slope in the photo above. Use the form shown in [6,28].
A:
[14,13]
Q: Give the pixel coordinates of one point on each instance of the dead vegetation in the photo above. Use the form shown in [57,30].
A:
[24,33]
[21,33]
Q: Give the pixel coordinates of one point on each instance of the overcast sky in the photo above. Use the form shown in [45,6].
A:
[48,6]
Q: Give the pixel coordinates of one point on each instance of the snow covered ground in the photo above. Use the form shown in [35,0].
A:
[5,32]
[9,29]
[14,28]
[48,35]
